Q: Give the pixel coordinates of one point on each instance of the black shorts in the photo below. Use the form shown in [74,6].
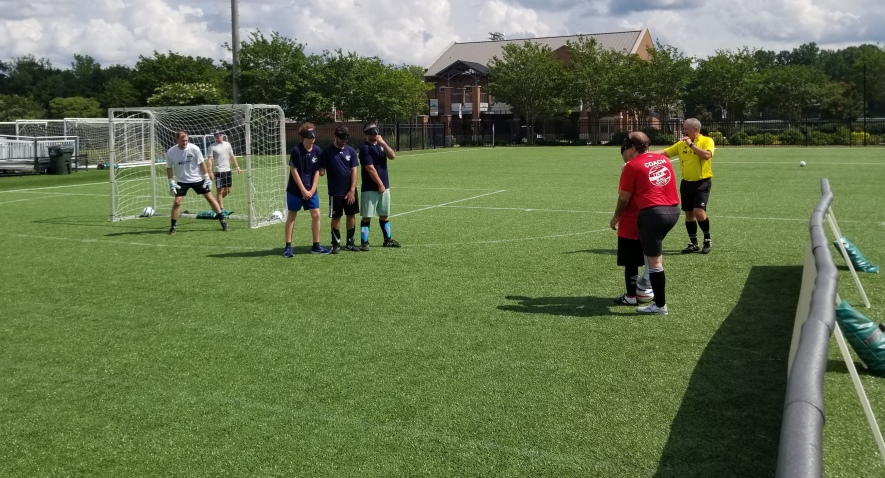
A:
[197,187]
[338,206]
[695,194]
[630,252]
[223,180]
[654,224]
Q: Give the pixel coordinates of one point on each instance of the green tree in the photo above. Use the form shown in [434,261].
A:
[86,75]
[275,70]
[594,74]
[662,80]
[187,94]
[788,91]
[530,79]
[119,93]
[162,69]
[728,80]
[15,107]
[75,107]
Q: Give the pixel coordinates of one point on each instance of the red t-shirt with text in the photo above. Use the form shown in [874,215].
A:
[651,179]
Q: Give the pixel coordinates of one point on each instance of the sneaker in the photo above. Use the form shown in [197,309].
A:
[351,247]
[364,246]
[287,252]
[318,249]
[652,309]
[224,225]
[708,246]
[390,243]
[172,230]
[692,247]
[625,300]
[335,249]
[643,283]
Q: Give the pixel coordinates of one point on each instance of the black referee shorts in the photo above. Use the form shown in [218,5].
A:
[695,194]
[654,224]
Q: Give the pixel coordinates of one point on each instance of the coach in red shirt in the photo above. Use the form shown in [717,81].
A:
[648,183]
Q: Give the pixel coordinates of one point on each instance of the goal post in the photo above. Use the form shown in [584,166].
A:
[140,137]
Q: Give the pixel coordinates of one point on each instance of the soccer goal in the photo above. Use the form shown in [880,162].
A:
[140,137]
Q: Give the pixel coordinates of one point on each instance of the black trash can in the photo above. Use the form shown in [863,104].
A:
[60,159]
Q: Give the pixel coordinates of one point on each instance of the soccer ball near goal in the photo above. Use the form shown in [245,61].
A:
[276,216]
[147,212]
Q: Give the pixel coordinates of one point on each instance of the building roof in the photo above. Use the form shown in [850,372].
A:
[482,52]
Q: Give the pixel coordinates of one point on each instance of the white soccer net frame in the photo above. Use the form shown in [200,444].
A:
[140,137]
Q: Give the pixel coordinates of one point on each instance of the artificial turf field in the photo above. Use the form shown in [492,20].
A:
[488,345]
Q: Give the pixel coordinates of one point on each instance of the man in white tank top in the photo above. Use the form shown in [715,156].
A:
[221,154]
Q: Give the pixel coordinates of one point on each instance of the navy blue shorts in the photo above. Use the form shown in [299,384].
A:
[296,203]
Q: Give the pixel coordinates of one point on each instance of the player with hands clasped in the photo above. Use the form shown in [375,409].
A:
[375,189]
[301,191]
[339,163]
[221,154]
[648,180]
[186,169]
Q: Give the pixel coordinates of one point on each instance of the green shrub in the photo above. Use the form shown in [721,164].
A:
[739,139]
[718,138]
[818,138]
[841,136]
[792,136]
[765,139]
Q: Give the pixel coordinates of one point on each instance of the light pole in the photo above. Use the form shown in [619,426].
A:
[235,38]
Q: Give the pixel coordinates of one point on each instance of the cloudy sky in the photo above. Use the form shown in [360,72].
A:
[416,31]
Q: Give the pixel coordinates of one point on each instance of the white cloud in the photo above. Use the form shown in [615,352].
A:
[416,31]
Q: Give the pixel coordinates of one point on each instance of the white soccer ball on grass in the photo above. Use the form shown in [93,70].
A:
[276,216]
[147,212]
[801,164]
[644,295]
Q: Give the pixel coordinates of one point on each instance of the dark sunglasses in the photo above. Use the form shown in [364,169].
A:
[309,134]
[627,145]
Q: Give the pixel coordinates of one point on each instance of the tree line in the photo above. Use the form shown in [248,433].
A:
[735,84]
[741,84]
[273,70]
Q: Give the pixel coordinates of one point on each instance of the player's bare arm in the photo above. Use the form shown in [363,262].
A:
[373,175]
[623,200]
[316,180]
[391,154]
[233,159]
[351,193]
[297,177]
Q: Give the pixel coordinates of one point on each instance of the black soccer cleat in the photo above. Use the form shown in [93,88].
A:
[364,246]
[351,247]
[172,230]
[708,246]
[692,247]
[335,249]
[224,225]
[390,243]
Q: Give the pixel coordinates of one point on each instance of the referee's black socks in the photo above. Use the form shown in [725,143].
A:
[705,228]
[692,228]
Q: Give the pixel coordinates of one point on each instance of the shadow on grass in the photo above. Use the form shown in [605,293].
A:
[276,251]
[93,221]
[614,252]
[729,421]
[587,306]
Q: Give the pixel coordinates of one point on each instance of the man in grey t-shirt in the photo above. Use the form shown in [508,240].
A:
[186,169]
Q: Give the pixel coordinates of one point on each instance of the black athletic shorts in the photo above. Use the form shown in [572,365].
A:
[630,252]
[338,206]
[654,224]
[197,187]
[223,180]
[695,194]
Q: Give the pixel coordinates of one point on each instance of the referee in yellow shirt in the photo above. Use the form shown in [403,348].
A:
[695,153]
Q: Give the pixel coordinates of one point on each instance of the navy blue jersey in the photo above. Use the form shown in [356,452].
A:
[376,156]
[307,163]
[338,164]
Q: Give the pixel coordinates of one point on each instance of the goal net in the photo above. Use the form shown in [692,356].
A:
[140,137]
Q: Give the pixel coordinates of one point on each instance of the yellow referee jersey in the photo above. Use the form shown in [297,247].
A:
[693,168]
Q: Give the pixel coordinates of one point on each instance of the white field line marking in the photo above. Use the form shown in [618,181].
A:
[447,203]
[106,241]
[406,154]
[53,187]
[515,239]
[789,163]
[27,199]
[575,211]
[66,194]
[442,189]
